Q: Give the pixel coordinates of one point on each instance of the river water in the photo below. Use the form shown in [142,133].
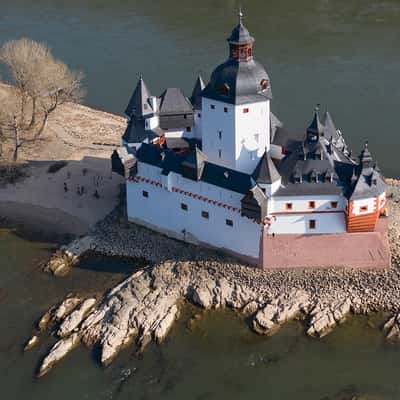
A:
[343,54]
[217,357]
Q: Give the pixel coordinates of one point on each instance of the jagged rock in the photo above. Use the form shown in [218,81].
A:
[32,342]
[392,328]
[66,307]
[75,318]
[45,319]
[280,310]
[250,308]
[324,319]
[203,295]
[58,351]
[166,323]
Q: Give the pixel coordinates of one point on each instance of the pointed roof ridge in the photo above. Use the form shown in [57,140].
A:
[265,173]
[198,88]
[196,160]
[138,103]
[316,127]
[366,159]
[330,130]
[240,34]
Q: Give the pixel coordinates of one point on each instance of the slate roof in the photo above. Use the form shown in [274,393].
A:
[135,132]
[367,180]
[237,82]
[195,98]
[173,102]
[240,35]
[138,104]
[265,172]
[213,174]
[275,123]
[315,166]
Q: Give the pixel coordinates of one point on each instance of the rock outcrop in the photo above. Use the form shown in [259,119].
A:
[280,310]
[325,318]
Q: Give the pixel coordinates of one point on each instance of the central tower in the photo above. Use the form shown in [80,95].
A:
[235,107]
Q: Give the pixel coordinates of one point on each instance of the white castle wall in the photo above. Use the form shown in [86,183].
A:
[358,204]
[162,211]
[238,133]
[327,219]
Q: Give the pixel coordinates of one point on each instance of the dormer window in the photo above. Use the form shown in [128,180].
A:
[264,84]
[224,89]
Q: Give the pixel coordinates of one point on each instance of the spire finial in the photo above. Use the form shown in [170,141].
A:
[366,145]
[316,109]
[240,14]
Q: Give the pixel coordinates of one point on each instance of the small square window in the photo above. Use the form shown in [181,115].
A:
[188,129]
[226,109]
[212,107]
[199,115]
[205,214]
[289,206]
[245,110]
[311,204]
[184,116]
[220,135]
[219,153]
[334,204]
[363,208]
[312,223]
[184,207]
[229,222]
[145,194]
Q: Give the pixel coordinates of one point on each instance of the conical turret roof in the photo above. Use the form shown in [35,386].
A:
[315,129]
[138,104]
[195,98]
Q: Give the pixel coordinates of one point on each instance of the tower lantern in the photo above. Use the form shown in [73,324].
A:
[240,42]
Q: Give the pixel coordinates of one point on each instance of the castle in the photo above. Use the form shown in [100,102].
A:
[220,169]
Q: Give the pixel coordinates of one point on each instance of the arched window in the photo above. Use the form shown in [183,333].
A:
[249,52]
[264,84]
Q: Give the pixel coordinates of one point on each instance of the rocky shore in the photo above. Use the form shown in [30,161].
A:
[144,306]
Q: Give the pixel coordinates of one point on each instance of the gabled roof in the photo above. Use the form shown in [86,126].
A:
[173,102]
[265,172]
[195,99]
[138,104]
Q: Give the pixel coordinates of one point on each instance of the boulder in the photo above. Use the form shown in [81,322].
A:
[58,351]
[75,318]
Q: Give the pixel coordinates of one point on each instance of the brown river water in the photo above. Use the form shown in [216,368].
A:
[343,54]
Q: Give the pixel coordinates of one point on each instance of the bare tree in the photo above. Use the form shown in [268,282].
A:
[40,84]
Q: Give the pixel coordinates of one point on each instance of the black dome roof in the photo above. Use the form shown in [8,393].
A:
[238,83]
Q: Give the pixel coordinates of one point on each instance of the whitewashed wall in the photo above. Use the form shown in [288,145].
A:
[296,220]
[247,126]
[197,124]
[238,133]
[162,211]
[357,204]
[214,121]
[299,223]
